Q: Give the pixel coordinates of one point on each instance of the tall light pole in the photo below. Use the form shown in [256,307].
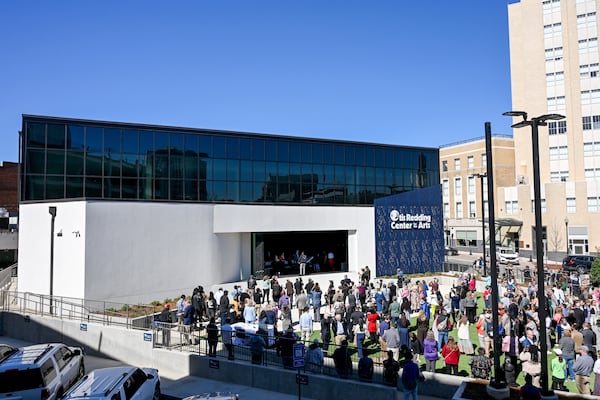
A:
[534,123]
[567,233]
[481,177]
[52,211]
[497,385]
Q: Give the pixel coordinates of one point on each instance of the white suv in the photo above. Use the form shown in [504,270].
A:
[117,383]
[505,255]
[40,372]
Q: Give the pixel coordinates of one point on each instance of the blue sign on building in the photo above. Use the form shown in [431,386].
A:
[409,232]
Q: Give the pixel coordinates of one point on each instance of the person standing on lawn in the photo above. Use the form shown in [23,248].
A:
[583,367]
[597,376]
[464,337]
[451,355]
[558,367]
[430,352]
[481,366]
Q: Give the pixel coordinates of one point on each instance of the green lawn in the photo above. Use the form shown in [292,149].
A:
[463,366]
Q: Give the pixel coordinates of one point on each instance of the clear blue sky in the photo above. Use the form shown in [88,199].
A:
[422,73]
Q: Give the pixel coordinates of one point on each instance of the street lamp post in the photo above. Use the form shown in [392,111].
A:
[534,123]
[52,211]
[481,177]
[567,233]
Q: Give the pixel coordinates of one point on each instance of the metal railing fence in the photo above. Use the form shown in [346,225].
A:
[70,308]
[174,337]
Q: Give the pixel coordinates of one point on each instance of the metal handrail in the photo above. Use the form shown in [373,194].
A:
[7,274]
[71,308]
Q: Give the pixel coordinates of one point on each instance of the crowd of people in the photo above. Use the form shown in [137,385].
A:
[397,322]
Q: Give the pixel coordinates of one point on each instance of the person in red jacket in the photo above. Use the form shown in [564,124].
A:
[372,325]
[451,355]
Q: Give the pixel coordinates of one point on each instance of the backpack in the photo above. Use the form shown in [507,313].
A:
[480,367]
[442,325]
[489,329]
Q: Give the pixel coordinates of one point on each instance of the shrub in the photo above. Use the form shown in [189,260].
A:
[595,271]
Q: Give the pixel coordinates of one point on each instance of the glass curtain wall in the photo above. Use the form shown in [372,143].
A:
[66,159]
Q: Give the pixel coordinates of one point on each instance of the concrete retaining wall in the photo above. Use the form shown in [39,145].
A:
[130,346]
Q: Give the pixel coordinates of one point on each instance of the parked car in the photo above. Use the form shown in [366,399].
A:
[451,251]
[214,396]
[40,372]
[114,383]
[580,264]
[505,255]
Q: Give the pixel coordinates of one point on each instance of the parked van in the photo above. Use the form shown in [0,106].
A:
[505,255]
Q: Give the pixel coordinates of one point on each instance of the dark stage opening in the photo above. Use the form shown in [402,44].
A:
[277,252]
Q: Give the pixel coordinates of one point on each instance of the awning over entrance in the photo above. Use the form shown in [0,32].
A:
[508,222]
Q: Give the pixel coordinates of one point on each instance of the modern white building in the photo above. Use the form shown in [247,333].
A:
[145,213]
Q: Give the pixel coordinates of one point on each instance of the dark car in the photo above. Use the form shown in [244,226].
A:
[580,264]
[451,251]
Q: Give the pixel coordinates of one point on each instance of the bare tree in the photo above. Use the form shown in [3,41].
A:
[555,238]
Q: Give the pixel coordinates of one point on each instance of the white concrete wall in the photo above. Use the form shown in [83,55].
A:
[131,252]
[69,249]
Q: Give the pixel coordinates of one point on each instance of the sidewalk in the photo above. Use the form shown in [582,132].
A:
[190,385]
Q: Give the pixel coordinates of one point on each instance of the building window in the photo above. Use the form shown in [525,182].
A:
[559,153]
[590,122]
[591,174]
[471,184]
[553,30]
[554,54]
[584,20]
[459,212]
[446,210]
[571,205]
[512,207]
[445,187]
[588,46]
[587,123]
[445,166]
[457,164]
[483,160]
[543,206]
[457,186]
[557,103]
[590,96]
[555,79]
[470,162]
[588,71]
[550,6]
[559,176]
[557,128]
[472,213]
[592,204]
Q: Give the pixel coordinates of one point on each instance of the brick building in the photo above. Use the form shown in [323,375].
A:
[9,178]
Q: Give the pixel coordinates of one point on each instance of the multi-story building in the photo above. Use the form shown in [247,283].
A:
[143,212]
[463,173]
[554,61]
[9,207]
